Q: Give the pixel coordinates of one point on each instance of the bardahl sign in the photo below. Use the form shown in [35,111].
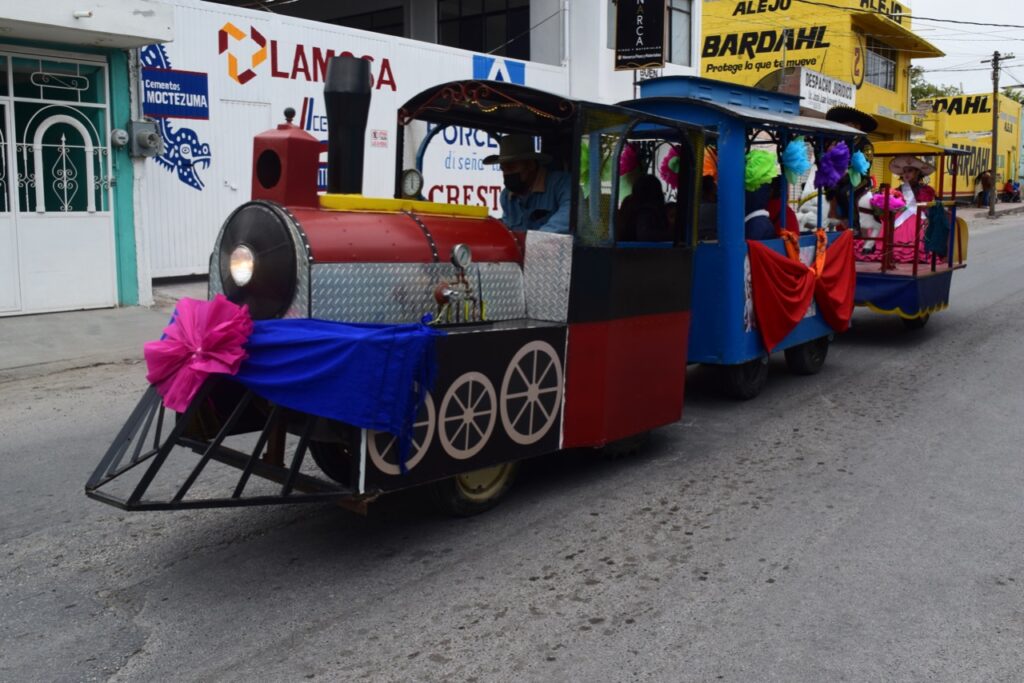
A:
[639,34]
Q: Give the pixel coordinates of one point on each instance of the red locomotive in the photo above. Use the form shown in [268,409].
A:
[549,341]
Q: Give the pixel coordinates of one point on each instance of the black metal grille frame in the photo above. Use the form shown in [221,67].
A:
[153,435]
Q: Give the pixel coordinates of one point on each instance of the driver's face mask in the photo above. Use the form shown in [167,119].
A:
[515,183]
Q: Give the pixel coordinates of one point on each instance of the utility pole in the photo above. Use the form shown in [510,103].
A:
[994,192]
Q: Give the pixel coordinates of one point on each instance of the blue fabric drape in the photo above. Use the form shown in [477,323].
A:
[369,376]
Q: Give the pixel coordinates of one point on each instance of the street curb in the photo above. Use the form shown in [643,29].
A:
[1005,212]
[39,370]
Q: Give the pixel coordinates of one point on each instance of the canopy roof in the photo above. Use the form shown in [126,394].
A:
[891,148]
[749,115]
[491,105]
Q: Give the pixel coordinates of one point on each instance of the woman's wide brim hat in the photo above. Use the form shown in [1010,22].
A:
[904,161]
[517,148]
[862,121]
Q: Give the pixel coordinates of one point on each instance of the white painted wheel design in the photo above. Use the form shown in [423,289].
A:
[531,392]
[468,414]
[383,447]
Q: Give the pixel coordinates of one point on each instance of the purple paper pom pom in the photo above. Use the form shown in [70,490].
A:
[832,166]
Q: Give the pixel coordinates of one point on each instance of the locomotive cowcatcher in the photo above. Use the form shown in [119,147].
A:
[543,341]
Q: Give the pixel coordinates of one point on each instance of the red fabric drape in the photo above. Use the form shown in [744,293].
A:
[782,289]
[835,286]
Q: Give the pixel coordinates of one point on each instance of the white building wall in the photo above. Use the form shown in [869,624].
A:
[180,210]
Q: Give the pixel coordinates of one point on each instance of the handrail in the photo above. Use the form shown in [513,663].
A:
[888,238]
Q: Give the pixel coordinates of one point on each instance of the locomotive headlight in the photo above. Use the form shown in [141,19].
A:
[259,234]
[241,265]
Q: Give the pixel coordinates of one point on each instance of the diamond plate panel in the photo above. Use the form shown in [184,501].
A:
[213,284]
[404,292]
[547,268]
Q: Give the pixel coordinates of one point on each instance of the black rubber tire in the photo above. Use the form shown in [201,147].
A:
[807,358]
[334,459]
[746,380]
[454,496]
[916,323]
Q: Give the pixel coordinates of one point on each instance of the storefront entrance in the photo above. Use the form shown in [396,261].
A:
[56,219]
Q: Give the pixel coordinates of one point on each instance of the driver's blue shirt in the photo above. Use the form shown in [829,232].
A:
[546,210]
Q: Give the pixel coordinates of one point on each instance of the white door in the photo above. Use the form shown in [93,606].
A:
[235,153]
[63,224]
[10,280]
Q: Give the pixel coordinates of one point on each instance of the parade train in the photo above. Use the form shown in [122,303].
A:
[543,341]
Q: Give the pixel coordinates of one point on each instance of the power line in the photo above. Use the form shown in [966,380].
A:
[515,38]
[911,16]
[980,68]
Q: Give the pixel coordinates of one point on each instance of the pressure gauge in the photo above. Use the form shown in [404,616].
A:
[412,183]
[462,256]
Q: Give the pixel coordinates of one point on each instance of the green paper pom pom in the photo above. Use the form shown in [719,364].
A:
[761,168]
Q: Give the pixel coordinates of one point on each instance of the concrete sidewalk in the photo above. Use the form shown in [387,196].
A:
[970,213]
[35,345]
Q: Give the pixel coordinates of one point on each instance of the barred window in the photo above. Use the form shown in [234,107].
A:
[679,32]
[881,65]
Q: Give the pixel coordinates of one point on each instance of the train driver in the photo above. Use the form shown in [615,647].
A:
[535,197]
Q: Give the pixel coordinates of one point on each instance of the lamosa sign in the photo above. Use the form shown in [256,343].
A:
[246,53]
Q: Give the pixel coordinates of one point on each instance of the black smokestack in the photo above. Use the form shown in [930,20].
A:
[347,96]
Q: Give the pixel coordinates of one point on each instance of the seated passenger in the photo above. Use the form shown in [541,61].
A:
[534,198]
[775,210]
[758,224]
[643,216]
[761,168]
[914,188]
[707,212]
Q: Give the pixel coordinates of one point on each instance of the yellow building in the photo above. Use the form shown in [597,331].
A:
[965,122]
[868,43]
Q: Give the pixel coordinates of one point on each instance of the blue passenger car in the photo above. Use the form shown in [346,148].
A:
[724,328]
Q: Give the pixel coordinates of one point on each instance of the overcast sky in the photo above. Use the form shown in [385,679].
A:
[965,46]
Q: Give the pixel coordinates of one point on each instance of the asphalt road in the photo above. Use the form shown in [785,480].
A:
[862,524]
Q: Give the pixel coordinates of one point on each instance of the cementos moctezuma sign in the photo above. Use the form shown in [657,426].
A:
[168,93]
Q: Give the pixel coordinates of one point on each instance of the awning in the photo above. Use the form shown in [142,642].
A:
[122,24]
[895,35]
[889,124]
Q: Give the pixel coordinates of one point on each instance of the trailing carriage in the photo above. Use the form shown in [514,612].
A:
[355,346]
[787,288]
[905,264]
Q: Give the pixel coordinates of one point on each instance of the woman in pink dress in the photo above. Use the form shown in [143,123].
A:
[912,172]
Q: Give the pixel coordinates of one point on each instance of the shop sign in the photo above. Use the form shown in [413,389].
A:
[821,92]
[639,34]
[172,93]
[963,104]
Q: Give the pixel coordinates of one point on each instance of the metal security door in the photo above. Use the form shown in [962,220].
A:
[10,281]
[64,225]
